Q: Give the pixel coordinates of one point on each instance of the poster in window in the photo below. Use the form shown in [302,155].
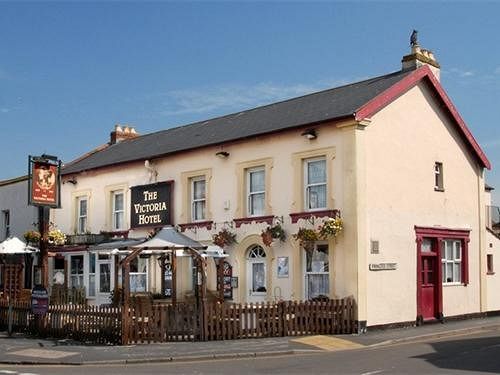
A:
[283,266]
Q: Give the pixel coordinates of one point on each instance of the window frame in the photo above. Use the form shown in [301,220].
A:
[453,261]
[250,194]
[194,200]
[6,223]
[114,211]
[490,264]
[80,276]
[79,216]
[307,185]
[92,293]
[137,274]
[323,273]
[438,176]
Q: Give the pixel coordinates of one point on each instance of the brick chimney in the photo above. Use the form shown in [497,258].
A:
[419,57]
[122,133]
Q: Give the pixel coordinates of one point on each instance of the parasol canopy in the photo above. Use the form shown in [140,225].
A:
[14,245]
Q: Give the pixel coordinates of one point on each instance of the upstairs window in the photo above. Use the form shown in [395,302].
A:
[198,198]
[118,210]
[315,184]
[6,223]
[81,215]
[256,191]
[438,176]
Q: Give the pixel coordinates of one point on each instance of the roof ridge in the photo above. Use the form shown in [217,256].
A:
[275,103]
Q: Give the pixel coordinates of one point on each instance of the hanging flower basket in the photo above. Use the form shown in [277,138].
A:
[56,237]
[306,238]
[272,233]
[224,238]
[32,237]
[331,227]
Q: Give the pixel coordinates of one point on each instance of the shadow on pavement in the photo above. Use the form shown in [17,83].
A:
[477,355]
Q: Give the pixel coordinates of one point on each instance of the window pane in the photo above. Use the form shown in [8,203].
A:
[449,272]
[118,201]
[199,189]
[118,220]
[448,250]
[257,204]
[91,262]
[317,285]
[83,207]
[426,245]
[104,278]
[198,210]
[91,285]
[317,196]
[82,224]
[257,181]
[458,251]
[317,260]
[77,264]
[258,277]
[457,277]
[142,264]
[316,171]
[138,282]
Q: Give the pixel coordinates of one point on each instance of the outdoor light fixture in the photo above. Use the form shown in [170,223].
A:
[222,154]
[72,181]
[310,134]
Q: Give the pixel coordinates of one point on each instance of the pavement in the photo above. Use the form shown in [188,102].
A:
[20,349]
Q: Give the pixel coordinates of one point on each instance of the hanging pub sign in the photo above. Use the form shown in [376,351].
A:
[44,181]
[151,205]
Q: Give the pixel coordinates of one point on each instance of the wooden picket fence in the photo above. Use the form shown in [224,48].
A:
[224,321]
[161,323]
[60,295]
[88,324]
[144,323]
[288,318]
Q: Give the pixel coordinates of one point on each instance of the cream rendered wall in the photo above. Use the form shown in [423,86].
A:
[493,280]
[403,142]
[224,204]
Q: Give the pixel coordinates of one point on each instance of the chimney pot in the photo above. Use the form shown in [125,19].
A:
[122,133]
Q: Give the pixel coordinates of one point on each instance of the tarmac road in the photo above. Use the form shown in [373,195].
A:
[468,352]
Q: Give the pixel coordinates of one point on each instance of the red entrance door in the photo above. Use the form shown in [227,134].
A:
[429,287]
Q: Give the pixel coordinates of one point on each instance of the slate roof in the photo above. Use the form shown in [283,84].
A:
[335,103]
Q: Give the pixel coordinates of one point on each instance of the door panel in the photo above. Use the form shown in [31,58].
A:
[429,287]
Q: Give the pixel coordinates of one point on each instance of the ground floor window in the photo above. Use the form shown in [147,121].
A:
[317,272]
[257,270]
[91,292]
[139,274]
[76,271]
[451,261]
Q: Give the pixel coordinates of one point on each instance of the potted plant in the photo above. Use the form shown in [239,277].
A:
[224,238]
[331,228]
[306,238]
[272,233]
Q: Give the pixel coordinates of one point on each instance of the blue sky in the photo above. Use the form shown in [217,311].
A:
[69,71]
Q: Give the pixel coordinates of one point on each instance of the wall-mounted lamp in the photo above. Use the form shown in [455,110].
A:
[72,181]
[222,154]
[310,134]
